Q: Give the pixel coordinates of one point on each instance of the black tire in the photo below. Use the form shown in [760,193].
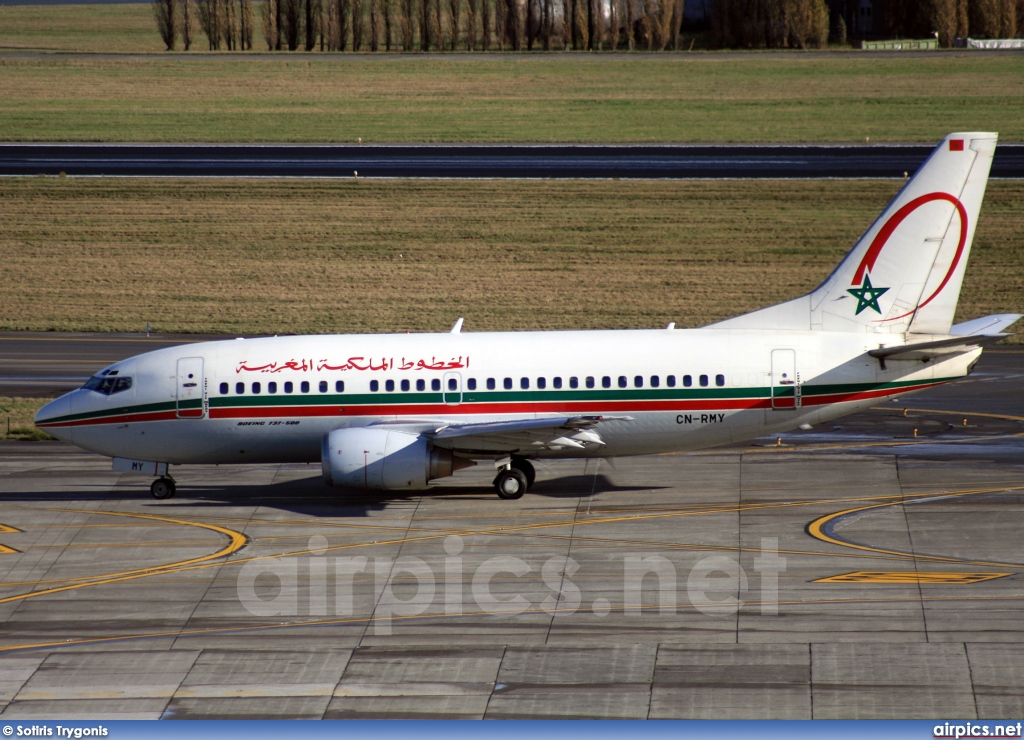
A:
[162,488]
[525,467]
[510,484]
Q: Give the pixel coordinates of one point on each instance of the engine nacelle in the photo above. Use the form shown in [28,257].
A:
[383,460]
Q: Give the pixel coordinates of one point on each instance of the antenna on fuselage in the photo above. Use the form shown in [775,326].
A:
[457,329]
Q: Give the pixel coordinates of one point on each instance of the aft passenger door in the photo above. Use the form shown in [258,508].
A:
[785,380]
[191,393]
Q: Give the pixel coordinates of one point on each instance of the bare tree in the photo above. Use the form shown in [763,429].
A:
[208,17]
[188,24]
[376,25]
[405,22]
[547,23]
[229,25]
[581,37]
[613,24]
[677,22]
[333,42]
[166,22]
[291,27]
[270,33]
[1008,19]
[500,19]
[388,22]
[310,25]
[984,18]
[942,19]
[567,34]
[471,13]
[357,25]
[246,25]
[453,23]
[630,25]
[344,11]
[515,25]
[485,24]
[436,26]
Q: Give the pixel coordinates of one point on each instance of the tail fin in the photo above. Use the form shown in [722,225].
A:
[904,274]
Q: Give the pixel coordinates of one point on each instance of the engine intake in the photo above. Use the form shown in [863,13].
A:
[384,460]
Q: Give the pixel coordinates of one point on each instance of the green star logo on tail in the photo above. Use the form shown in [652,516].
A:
[867,295]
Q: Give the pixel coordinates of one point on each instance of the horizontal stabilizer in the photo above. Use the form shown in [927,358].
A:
[925,351]
[986,324]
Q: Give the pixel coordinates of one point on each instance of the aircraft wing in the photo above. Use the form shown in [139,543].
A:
[514,435]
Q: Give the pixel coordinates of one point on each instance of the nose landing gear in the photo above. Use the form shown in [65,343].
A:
[163,488]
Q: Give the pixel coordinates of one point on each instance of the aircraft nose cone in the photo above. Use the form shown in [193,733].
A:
[51,413]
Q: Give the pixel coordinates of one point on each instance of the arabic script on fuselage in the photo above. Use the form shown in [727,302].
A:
[373,364]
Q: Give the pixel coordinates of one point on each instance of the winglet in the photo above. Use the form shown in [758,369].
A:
[457,329]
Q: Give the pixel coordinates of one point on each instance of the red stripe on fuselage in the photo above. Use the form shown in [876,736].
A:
[469,409]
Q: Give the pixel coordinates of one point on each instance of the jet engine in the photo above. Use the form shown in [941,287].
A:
[384,460]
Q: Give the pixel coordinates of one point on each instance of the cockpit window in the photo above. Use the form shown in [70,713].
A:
[108,383]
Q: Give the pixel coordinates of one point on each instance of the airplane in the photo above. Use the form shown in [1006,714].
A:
[395,412]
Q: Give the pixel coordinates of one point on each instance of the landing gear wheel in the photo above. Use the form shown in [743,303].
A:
[510,484]
[162,488]
[525,467]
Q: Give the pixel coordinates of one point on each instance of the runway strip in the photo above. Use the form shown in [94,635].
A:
[480,161]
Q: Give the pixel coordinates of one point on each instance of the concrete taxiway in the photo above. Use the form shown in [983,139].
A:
[647,161]
[866,569]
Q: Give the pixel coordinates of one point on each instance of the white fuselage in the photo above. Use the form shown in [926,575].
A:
[273,399]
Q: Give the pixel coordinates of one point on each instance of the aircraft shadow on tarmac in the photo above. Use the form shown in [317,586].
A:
[311,497]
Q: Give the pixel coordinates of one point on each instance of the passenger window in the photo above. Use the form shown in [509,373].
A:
[720,380]
[453,384]
[323,386]
[590,381]
[606,382]
[421,385]
[542,383]
[703,381]
[223,389]
[271,387]
[389,386]
[435,384]
[670,381]
[339,386]
[471,384]
[289,386]
[239,388]
[687,381]
[638,381]
[490,384]
[374,386]
[622,381]
[508,384]
[655,381]
[305,386]
[574,382]
[405,385]
[255,387]
[556,382]
[524,383]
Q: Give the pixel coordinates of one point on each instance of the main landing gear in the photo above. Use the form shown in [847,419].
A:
[515,479]
[162,488]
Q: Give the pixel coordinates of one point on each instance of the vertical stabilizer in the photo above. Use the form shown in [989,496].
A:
[905,273]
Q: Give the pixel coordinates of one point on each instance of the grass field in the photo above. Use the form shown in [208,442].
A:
[600,97]
[16,417]
[376,256]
